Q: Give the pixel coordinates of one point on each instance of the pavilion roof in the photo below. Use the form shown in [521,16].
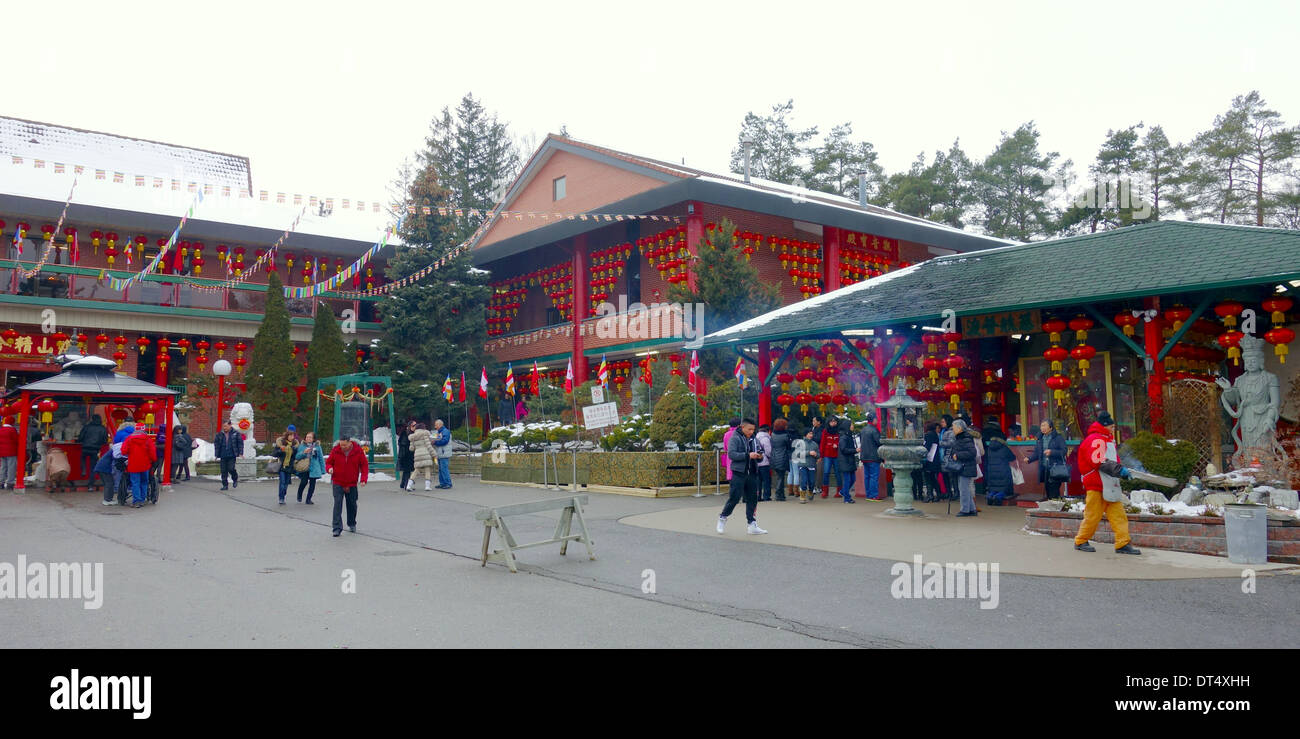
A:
[1162,258]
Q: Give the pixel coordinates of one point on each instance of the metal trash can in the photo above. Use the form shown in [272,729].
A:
[1247,532]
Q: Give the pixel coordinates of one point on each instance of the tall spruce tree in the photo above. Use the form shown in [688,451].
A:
[271,374]
[730,289]
[327,356]
[434,327]
[474,157]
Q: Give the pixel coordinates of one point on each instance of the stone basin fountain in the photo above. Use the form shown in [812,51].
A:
[901,450]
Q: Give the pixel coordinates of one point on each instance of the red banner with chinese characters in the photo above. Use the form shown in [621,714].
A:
[875,245]
[29,346]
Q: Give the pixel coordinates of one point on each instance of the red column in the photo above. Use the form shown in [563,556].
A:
[831,238]
[167,450]
[581,306]
[1152,343]
[764,392]
[24,418]
[694,235]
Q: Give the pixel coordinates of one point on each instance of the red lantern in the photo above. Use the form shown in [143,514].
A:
[1231,340]
[183,345]
[240,348]
[954,389]
[1228,310]
[119,356]
[142,343]
[1279,337]
[1277,306]
[1177,314]
[785,378]
[952,338]
[803,399]
[47,409]
[785,400]
[1059,384]
[9,335]
[202,360]
[1054,327]
[1127,321]
[954,363]
[1080,327]
[101,339]
[1056,355]
[220,346]
[1083,353]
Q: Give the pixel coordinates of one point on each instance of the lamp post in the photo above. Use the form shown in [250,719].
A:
[221,368]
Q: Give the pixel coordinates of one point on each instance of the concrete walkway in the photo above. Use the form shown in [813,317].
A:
[996,535]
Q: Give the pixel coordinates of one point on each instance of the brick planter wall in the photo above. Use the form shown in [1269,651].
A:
[1196,534]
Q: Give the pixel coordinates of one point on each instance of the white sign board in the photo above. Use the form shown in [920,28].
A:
[600,416]
[597,394]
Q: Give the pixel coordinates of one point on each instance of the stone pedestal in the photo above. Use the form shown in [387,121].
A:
[246,468]
[902,456]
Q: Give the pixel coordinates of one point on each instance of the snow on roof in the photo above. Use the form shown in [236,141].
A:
[111,152]
[802,305]
[43,184]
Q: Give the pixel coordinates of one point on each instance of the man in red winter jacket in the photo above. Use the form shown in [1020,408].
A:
[348,469]
[1101,472]
[140,456]
[8,454]
[829,449]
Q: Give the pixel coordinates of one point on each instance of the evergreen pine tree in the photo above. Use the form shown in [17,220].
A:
[779,150]
[434,327]
[673,416]
[729,287]
[1161,160]
[474,158]
[1013,184]
[327,356]
[270,375]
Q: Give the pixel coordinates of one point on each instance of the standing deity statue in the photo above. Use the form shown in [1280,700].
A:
[1253,401]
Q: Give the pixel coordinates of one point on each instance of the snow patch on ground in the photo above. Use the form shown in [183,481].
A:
[204,452]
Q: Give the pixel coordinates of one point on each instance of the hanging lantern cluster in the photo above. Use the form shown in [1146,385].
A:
[1082,353]
[666,251]
[1057,355]
[240,360]
[1279,336]
[202,358]
[557,285]
[746,241]
[801,260]
[857,264]
[606,266]
[508,297]
[238,262]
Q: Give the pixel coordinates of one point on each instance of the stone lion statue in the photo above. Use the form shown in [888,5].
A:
[241,417]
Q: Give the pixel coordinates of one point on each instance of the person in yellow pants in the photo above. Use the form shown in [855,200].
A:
[1101,472]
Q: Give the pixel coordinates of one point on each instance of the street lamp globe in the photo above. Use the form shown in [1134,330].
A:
[221,368]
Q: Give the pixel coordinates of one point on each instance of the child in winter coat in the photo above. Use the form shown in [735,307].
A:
[804,459]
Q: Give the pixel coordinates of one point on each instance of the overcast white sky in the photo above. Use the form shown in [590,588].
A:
[327,98]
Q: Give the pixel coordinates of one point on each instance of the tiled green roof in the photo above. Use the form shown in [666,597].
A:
[1167,257]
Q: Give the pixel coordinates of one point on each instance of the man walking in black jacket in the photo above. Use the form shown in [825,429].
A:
[228,446]
[743,453]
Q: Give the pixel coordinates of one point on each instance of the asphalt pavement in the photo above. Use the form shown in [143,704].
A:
[215,569]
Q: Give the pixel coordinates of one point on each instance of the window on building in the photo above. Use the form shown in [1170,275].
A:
[557,188]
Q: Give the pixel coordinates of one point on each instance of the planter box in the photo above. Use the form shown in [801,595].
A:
[646,470]
[1196,534]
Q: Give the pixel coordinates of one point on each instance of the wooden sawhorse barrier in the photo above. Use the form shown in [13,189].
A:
[496,518]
